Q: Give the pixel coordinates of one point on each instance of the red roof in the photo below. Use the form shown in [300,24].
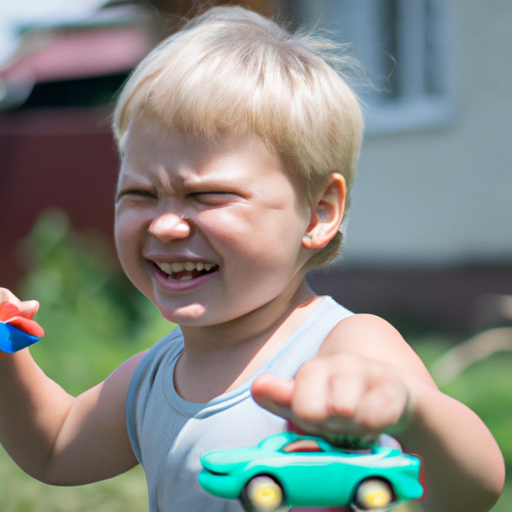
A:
[79,53]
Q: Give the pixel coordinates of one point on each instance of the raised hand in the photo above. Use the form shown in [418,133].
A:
[337,395]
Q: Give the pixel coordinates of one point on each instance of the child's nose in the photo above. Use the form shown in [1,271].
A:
[168,227]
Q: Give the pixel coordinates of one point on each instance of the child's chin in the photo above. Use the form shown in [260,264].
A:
[189,314]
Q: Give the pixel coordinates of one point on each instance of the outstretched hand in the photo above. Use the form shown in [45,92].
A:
[337,395]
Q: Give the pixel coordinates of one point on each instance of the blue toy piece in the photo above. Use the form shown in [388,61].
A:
[12,339]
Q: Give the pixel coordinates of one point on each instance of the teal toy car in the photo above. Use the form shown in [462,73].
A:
[288,469]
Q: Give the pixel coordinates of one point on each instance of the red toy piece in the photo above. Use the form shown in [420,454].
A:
[16,331]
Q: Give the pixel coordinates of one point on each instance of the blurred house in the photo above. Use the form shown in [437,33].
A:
[56,149]
[430,224]
[430,227]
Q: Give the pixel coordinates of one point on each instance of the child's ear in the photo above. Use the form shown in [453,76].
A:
[327,213]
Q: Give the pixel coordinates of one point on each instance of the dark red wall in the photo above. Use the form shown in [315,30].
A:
[53,158]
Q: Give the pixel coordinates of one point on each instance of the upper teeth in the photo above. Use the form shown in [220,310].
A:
[189,266]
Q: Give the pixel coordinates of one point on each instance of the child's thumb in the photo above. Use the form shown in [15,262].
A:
[273,393]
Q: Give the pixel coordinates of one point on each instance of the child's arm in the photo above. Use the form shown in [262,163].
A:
[57,438]
[364,380]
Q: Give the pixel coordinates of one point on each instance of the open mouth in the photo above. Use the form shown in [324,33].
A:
[186,270]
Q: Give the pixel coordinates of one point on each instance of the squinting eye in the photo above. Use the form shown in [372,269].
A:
[213,198]
[136,194]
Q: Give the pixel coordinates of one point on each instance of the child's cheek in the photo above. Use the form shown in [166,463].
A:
[129,243]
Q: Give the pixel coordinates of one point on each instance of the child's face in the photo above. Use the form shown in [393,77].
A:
[208,230]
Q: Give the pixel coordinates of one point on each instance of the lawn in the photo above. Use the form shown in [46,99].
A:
[20,493]
[486,388]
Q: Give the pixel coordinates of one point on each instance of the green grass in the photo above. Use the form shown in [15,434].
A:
[486,388]
[21,493]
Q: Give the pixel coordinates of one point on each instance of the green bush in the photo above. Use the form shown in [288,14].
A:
[94,318]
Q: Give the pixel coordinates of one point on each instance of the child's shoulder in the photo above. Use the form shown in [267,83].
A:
[372,337]
[365,334]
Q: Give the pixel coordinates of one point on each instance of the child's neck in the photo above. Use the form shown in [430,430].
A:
[220,358]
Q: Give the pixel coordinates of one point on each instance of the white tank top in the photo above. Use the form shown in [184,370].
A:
[168,434]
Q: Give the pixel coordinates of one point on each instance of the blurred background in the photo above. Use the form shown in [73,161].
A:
[429,238]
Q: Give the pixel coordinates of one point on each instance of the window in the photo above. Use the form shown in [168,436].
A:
[302,445]
[403,47]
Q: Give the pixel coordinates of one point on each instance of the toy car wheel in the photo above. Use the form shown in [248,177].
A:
[263,494]
[373,494]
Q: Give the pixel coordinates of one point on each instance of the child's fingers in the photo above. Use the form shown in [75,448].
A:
[346,390]
[327,396]
[276,395]
[336,396]
[383,406]
[11,306]
[7,296]
[26,309]
[29,308]
[8,310]
[311,392]
[273,393]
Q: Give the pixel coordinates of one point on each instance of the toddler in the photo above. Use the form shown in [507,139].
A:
[238,147]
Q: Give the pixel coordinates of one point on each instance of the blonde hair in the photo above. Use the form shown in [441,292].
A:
[233,71]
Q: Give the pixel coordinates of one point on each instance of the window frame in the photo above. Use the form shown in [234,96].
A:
[421,39]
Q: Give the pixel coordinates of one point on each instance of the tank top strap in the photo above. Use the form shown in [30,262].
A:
[305,342]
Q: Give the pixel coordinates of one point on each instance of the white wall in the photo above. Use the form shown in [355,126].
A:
[444,195]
